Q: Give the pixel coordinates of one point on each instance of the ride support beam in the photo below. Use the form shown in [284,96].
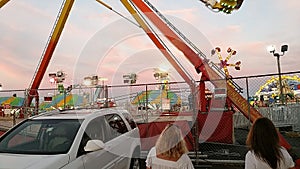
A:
[157,42]
[3,2]
[172,37]
[203,101]
[207,71]
[244,107]
[49,50]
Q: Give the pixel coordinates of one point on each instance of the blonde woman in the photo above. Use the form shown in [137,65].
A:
[170,151]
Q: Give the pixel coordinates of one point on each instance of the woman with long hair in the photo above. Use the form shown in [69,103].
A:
[264,149]
[170,151]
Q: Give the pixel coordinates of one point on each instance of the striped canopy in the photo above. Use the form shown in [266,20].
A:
[12,101]
[59,101]
[155,97]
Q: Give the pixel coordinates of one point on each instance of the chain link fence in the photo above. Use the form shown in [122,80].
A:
[262,93]
[151,102]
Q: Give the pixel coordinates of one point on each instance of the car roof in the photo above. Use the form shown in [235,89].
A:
[78,113]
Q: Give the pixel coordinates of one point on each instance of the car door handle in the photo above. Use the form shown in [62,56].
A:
[108,147]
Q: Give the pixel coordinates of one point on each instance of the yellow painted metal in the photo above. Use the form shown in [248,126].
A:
[3,2]
[133,12]
[50,49]
[62,20]
[104,4]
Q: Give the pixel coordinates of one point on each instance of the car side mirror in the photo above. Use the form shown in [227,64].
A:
[94,145]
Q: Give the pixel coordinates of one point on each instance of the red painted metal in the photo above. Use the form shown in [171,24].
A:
[172,37]
[200,66]
[49,52]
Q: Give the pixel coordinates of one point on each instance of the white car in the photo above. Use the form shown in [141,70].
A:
[73,139]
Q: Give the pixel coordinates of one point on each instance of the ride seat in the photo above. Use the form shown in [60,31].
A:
[59,139]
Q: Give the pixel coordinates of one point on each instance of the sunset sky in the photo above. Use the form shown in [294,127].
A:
[96,41]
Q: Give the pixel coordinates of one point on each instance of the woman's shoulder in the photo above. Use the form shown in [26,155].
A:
[250,155]
[152,152]
[184,158]
[185,161]
[250,152]
[284,152]
[287,157]
[283,149]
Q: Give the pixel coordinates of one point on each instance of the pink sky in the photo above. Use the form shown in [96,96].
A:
[97,41]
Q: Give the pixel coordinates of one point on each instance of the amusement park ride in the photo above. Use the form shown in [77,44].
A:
[226,92]
[226,6]
[224,62]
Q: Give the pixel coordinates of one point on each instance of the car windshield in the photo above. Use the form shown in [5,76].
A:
[42,136]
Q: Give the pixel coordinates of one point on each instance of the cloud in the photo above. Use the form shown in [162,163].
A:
[95,41]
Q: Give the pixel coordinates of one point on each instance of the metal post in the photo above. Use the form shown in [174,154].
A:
[271,49]
[160,93]
[196,109]
[37,97]
[280,81]
[25,104]
[106,95]
[203,101]
[92,96]
[64,99]
[146,107]
[14,118]
[249,119]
